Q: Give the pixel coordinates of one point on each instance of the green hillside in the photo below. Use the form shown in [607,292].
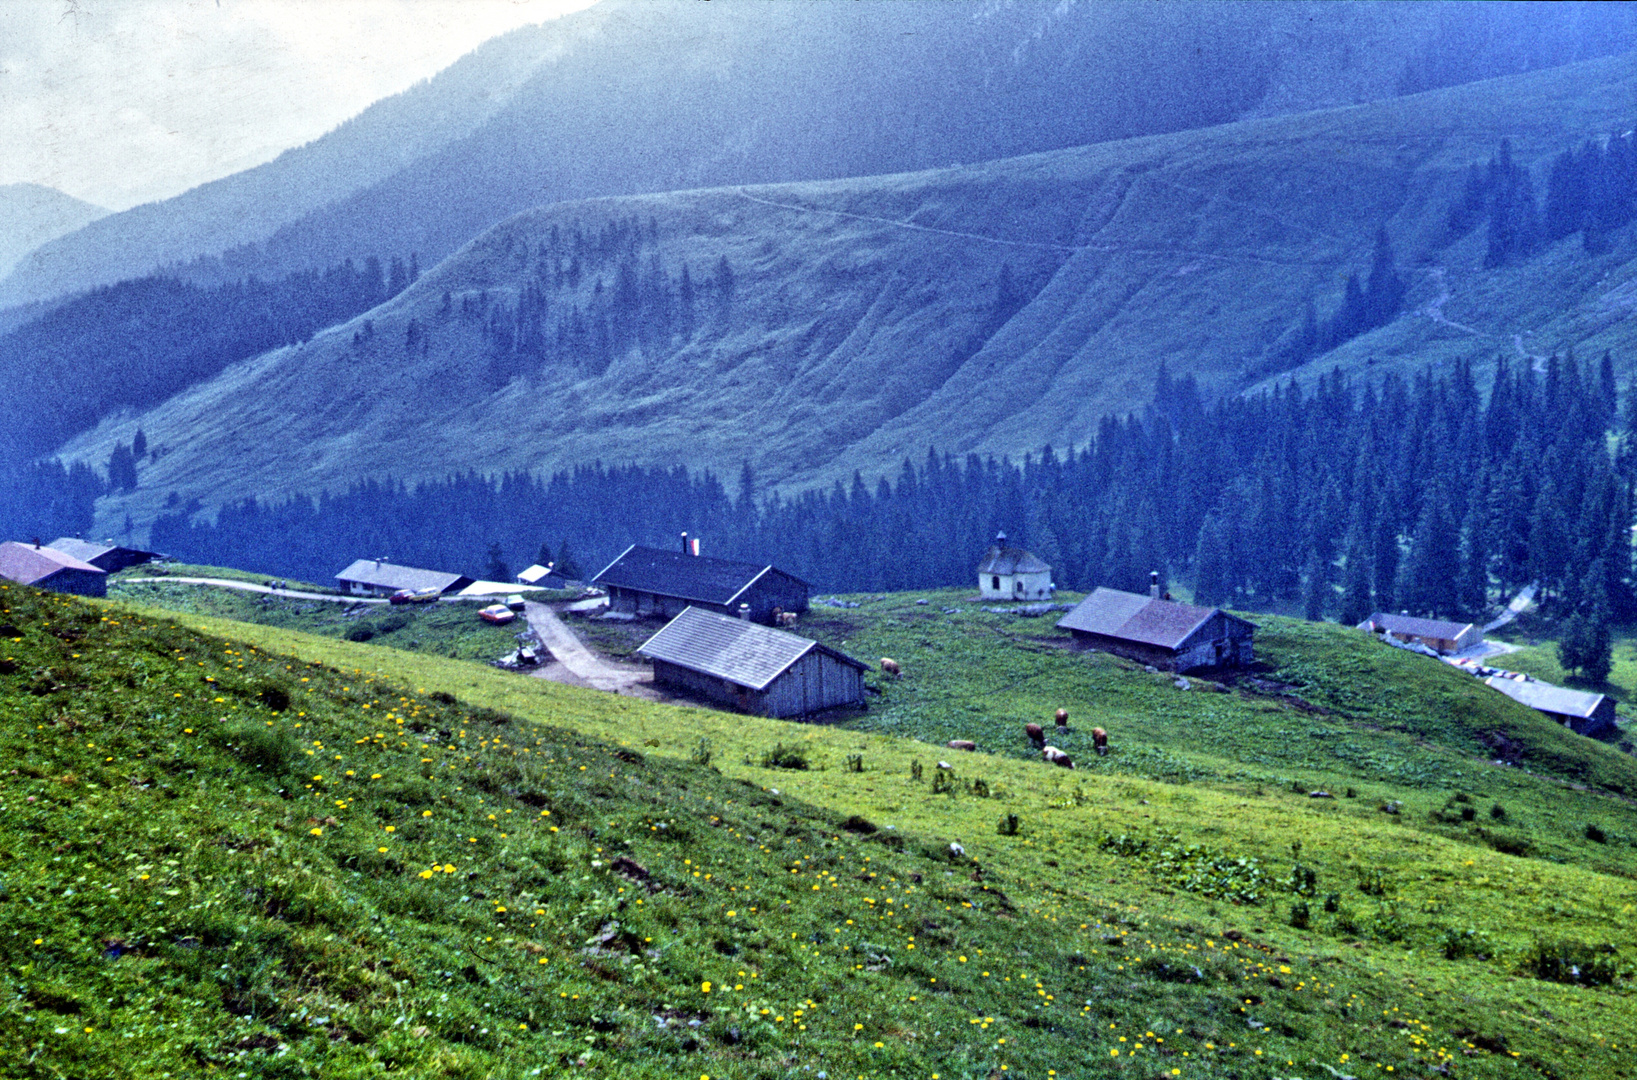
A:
[827,327]
[1150,895]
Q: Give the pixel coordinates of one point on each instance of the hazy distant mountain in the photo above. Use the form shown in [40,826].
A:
[812,329]
[31,214]
[653,95]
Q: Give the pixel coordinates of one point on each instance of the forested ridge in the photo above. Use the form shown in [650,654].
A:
[1341,497]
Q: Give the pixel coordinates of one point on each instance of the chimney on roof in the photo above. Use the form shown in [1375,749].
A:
[1154,584]
[744,612]
[36,543]
[685,544]
[1000,538]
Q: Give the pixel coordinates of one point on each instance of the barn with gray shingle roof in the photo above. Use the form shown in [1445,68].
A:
[752,668]
[1164,633]
[647,581]
[376,577]
[110,558]
[48,568]
[1584,713]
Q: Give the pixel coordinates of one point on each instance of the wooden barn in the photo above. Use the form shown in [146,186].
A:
[1010,573]
[109,558]
[752,668]
[1583,713]
[1164,633]
[48,568]
[1435,634]
[651,582]
[375,577]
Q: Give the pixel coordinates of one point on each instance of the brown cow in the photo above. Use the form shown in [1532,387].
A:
[891,666]
[1099,741]
[1052,755]
[1062,718]
[1036,734]
[961,744]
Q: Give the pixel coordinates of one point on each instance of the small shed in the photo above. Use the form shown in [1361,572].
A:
[376,577]
[109,558]
[1164,633]
[647,581]
[1010,573]
[1435,634]
[752,668]
[48,568]
[1583,713]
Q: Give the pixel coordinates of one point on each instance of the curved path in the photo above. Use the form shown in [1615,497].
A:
[248,586]
[580,661]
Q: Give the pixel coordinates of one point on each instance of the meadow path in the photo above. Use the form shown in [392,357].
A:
[247,586]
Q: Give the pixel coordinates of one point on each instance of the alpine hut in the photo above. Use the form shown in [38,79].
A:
[1583,713]
[1435,634]
[1010,573]
[377,577]
[647,581]
[48,568]
[109,558]
[1164,633]
[752,668]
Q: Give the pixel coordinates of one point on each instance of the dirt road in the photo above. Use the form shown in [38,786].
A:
[585,667]
[246,586]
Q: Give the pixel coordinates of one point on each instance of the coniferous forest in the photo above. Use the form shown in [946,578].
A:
[1340,498]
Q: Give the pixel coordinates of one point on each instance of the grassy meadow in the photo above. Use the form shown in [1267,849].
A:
[1187,888]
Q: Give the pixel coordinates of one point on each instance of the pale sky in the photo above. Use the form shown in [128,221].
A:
[120,102]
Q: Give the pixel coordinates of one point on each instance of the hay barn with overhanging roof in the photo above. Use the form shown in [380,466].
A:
[651,582]
[752,668]
[109,558]
[1164,633]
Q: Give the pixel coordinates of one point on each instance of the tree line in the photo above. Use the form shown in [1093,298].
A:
[1340,498]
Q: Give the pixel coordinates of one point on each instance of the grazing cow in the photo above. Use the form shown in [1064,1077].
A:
[961,744]
[1062,719]
[1036,734]
[1099,741]
[956,851]
[1053,756]
[787,618]
[891,666]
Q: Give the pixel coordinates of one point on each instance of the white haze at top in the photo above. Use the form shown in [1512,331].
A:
[121,102]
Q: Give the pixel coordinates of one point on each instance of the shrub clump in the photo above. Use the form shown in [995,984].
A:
[785,757]
[1572,962]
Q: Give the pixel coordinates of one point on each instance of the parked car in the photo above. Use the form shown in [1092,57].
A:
[515,601]
[497,613]
[402,596]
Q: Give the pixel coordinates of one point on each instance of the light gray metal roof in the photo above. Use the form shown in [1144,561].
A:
[1546,697]
[738,650]
[385,575]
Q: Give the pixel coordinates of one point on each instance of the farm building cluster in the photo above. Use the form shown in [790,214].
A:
[68,564]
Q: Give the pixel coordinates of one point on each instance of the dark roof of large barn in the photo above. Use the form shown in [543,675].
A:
[738,650]
[686,577]
[1133,617]
[86,551]
[1547,697]
[1410,626]
[1010,560]
[26,564]
[385,575]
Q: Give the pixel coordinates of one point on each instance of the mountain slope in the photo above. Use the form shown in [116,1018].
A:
[30,215]
[634,96]
[814,329]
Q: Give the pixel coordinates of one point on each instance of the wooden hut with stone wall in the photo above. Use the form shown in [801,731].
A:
[1164,633]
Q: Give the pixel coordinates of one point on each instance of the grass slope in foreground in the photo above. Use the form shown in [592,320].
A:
[1152,906]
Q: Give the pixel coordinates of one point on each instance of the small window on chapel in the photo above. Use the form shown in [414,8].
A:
[994,582]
